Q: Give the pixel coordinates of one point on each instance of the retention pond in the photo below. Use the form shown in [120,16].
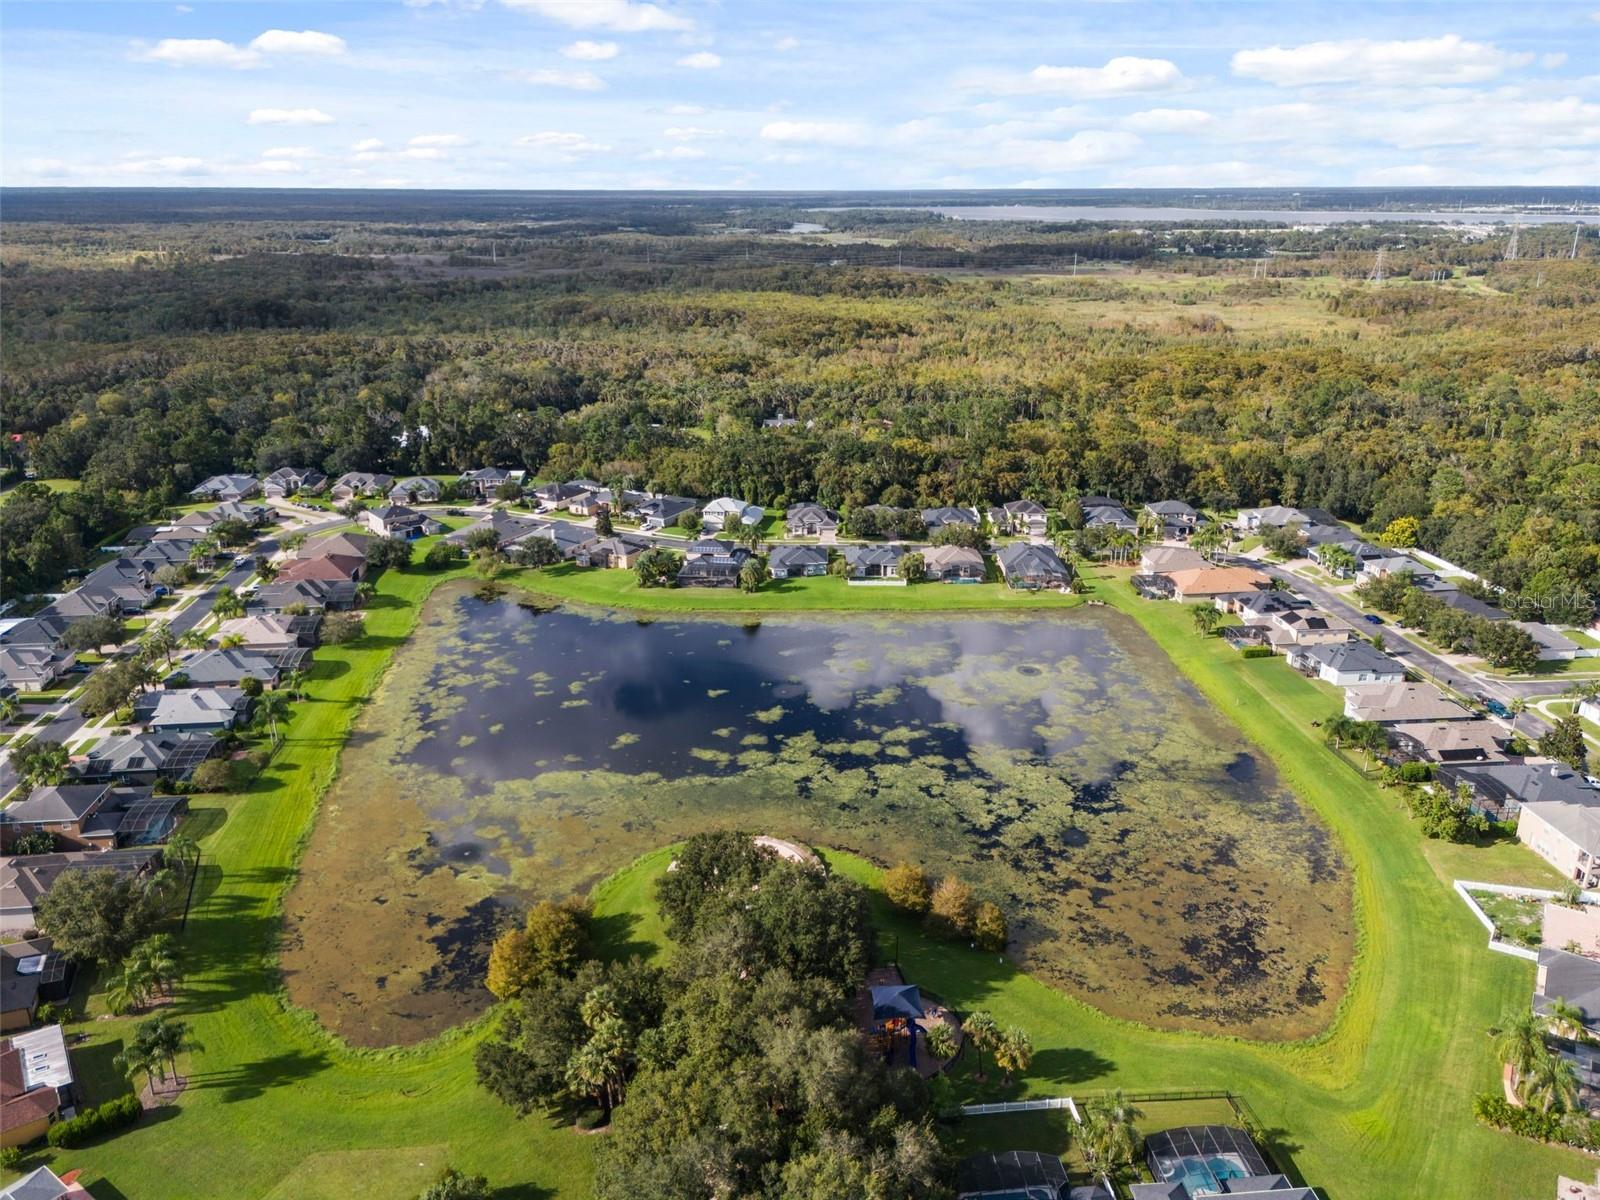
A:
[1149,859]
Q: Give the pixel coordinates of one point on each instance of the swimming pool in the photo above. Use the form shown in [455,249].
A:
[1203,1174]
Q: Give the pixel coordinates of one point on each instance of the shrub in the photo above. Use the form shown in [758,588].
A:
[989,927]
[953,910]
[215,775]
[1416,772]
[94,1123]
[10,1158]
[439,556]
[341,627]
[590,1118]
[1258,652]
[908,887]
[54,1012]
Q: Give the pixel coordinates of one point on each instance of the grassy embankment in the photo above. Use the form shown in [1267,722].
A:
[1378,1106]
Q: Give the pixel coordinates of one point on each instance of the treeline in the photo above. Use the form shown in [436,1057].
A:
[1474,414]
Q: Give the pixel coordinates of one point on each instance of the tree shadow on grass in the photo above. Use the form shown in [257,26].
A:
[250,1080]
[612,937]
[203,820]
[1070,1065]
[96,1071]
[520,1191]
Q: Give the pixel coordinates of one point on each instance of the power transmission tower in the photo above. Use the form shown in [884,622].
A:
[1511,246]
[1577,229]
[1377,275]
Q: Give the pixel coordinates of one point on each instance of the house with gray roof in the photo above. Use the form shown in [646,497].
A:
[716,515]
[1398,703]
[1030,566]
[360,483]
[293,481]
[953,564]
[658,512]
[147,757]
[1026,518]
[34,668]
[191,710]
[32,972]
[41,629]
[1108,516]
[224,668]
[874,564]
[1467,603]
[484,482]
[1177,519]
[1558,812]
[711,563]
[1273,516]
[568,538]
[621,551]
[26,880]
[122,585]
[94,816]
[1554,646]
[811,520]
[509,529]
[1346,663]
[937,518]
[416,489]
[226,487]
[788,562]
[1453,743]
[309,595]
[399,521]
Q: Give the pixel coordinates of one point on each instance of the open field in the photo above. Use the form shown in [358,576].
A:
[1378,1107]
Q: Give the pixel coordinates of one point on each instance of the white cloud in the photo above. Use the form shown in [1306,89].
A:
[685,110]
[366,145]
[440,139]
[182,9]
[288,152]
[827,133]
[423,152]
[577,81]
[1169,120]
[1122,76]
[197,52]
[277,166]
[591,51]
[561,143]
[288,116]
[704,60]
[1091,148]
[690,133]
[167,164]
[784,44]
[306,41]
[619,16]
[1440,60]
[676,153]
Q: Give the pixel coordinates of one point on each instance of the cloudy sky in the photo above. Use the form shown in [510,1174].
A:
[763,94]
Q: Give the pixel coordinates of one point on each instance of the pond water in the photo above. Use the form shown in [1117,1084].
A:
[1149,860]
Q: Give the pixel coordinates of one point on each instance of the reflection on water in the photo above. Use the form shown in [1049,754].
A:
[1148,858]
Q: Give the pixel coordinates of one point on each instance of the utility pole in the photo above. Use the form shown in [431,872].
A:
[1511,246]
[1577,229]
[1378,267]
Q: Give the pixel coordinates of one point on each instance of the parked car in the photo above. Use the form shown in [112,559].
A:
[1373,618]
[241,560]
[1498,709]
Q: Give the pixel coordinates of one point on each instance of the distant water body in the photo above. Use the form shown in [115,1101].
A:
[1287,216]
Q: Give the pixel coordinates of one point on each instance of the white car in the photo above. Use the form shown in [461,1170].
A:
[241,560]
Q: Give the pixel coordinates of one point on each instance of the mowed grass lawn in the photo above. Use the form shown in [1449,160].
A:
[821,593]
[1378,1107]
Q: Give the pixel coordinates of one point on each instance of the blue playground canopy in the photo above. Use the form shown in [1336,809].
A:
[896,1000]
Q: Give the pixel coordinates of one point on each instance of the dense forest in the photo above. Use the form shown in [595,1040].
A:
[1220,365]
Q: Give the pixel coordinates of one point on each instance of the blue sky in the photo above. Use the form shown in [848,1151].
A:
[871,94]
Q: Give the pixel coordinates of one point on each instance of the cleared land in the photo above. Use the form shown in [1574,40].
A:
[1379,1107]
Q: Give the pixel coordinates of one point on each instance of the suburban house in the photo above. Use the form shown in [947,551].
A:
[1362,552]
[34,668]
[790,562]
[1108,516]
[93,816]
[269,632]
[872,564]
[1207,583]
[711,563]
[623,551]
[1273,516]
[1560,812]
[953,564]
[416,489]
[360,483]
[27,879]
[1306,627]
[1257,608]
[41,629]
[811,520]
[1178,520]
[657,512]
[1346,663]
[191,710]
[293,481]
[36,1084]
[484,482]
[1031,567]
[352,545]
[561,495]
[1554,646]
[1467,603]
[396,520]
[509,529]
[1025,517]
[31,973]
[936,519]
[327,568]
[308,595]
[1211,1160]
[121,585]
[236,510]
[152,556]
[1401,703]
[569,539]
[226,487]
[591,501]
[1451,742]
[1391,563]
[147,757]
[224,668]
[1574,978]
[716,515]
[1164,560]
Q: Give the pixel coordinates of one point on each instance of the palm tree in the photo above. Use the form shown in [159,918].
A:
[1551,1082]
[157,958]
[231,641]
[10,707]
[182,849]
[159,642]
[130,989]
[1568,1020]
[43,764]
[1206,618]
[1111,1131]
[193,639]
[169,1038]
[1209,538]
[1337,730]
[941,1042]
[980,1029]
[1014,1053]
[1516,708]
[136,1058]
[228,604]
[296,683]
[365,591]
[1587,689]
[272,707]
[1520,1040]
